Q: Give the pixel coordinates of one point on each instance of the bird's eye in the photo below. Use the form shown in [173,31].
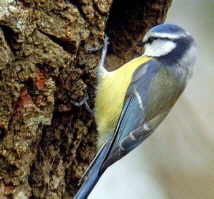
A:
[150,40]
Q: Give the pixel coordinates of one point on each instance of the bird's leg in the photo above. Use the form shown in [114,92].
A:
[104,51]
[100,69]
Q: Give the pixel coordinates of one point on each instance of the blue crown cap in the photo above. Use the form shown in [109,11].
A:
[168,28]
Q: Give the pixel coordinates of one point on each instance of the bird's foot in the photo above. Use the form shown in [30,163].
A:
[85,103]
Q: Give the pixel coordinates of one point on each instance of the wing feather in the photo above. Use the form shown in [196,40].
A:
[133,114]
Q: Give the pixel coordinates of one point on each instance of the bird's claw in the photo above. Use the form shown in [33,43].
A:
[83,102]
[94,49]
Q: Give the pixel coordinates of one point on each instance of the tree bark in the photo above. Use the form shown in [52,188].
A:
[46,142]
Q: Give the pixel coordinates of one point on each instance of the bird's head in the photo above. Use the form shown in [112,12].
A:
[170,44]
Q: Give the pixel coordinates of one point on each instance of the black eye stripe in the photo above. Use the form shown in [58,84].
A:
[151,39]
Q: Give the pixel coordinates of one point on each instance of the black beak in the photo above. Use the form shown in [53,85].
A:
[140,43]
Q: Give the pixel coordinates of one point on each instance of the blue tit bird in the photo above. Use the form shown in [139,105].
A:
[133,100]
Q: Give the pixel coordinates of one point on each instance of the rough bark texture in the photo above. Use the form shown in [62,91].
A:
[46,142]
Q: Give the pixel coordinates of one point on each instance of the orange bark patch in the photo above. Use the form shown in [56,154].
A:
[23,100]
[40,79]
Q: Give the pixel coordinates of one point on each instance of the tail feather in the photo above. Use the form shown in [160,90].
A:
[93,176]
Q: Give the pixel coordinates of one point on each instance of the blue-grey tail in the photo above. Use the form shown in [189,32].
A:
[93,176]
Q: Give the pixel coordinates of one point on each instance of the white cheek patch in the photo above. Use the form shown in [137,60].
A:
[159,48]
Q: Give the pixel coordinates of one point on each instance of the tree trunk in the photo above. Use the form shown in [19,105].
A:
[47,142]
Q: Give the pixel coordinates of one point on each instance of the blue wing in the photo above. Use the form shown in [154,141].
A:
[151,95]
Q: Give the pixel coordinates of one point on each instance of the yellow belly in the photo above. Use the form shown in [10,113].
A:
[110,96]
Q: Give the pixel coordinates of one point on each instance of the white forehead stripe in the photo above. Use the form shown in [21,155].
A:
[163,35]
[159,48]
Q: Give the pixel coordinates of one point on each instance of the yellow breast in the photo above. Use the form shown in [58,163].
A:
[111,92]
